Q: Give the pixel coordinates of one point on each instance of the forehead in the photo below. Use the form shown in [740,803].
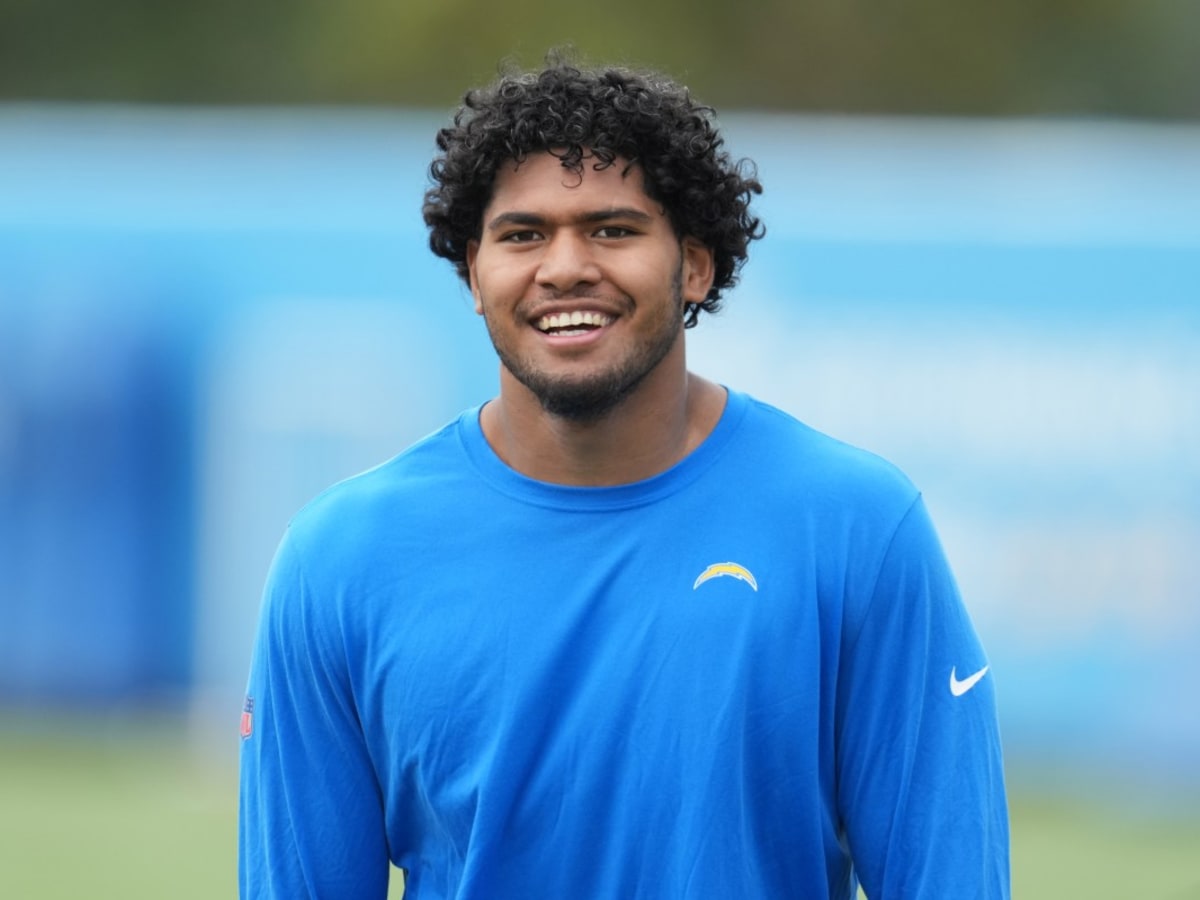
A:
[541,182]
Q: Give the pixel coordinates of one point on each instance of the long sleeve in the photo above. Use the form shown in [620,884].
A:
[311,815]
[920,773]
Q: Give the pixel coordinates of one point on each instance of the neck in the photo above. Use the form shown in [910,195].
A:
[649,431]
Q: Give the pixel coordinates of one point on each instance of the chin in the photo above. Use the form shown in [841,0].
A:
[581,400]
[581,403]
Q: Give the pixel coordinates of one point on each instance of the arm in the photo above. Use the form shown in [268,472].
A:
[920,781]
[311,814]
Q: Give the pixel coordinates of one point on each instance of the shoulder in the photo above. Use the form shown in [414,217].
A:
[796,457]
[384,503]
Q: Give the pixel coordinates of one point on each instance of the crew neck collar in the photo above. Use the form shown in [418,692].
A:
[507,480]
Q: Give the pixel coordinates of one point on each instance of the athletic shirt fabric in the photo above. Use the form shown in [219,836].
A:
[730,680]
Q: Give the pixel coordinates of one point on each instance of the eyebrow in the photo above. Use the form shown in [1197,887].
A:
[627,213]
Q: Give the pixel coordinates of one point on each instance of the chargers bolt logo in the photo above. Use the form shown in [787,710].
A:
[732,569]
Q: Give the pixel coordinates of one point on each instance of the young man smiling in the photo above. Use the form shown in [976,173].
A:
[582,282]
[619,631]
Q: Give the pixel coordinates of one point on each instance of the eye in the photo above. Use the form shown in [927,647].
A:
[520,237]
[614,231]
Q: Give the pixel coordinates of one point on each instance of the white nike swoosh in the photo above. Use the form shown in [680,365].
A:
[958,688]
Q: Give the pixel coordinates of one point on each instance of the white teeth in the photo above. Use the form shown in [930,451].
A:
[573,319]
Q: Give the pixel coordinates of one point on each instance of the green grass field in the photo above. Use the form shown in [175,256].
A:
[134,812]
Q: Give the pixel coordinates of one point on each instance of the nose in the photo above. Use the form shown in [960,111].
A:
[567,261]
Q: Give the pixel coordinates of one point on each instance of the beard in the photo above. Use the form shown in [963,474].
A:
[588,397]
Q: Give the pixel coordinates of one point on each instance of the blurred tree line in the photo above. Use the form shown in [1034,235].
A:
[1129,58]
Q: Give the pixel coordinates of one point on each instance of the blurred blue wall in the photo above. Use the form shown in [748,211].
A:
[208,316]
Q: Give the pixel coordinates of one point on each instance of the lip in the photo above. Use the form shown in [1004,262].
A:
[581,304]
[587,336]
[584,338]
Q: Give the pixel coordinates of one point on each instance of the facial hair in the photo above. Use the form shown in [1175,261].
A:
[592,396]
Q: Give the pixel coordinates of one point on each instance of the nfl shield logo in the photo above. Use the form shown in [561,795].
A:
[247,728]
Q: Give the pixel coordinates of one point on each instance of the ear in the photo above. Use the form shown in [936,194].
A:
[698,270]
[472,253]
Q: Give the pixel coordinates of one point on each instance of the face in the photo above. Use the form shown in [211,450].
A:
[582,283]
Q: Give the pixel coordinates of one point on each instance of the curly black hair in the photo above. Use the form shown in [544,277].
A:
[599,115]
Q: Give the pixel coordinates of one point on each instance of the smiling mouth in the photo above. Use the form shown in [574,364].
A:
[568,324]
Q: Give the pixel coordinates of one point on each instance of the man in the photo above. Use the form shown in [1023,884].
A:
[619,632]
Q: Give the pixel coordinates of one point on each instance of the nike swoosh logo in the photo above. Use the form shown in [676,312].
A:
[958,688]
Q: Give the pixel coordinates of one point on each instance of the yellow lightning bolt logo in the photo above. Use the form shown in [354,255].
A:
[732,569]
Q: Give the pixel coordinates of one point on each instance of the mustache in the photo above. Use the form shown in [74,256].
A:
[580,292]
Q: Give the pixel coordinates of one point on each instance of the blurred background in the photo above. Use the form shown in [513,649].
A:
[982,262]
